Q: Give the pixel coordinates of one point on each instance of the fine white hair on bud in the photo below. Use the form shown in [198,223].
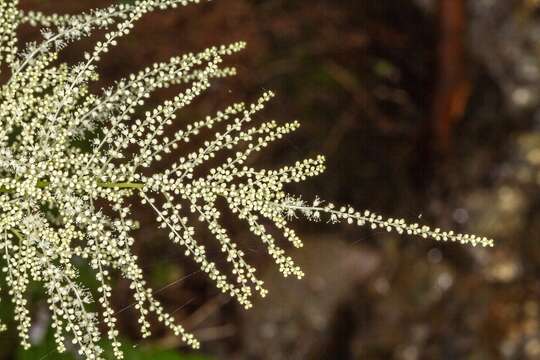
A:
[49,185]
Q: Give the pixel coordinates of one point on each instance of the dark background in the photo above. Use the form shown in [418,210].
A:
[426,110]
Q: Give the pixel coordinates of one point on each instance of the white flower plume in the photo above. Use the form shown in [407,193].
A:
[49,186]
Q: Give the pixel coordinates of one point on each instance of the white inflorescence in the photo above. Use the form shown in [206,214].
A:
[50,222]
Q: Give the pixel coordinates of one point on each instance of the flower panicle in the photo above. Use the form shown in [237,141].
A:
[50,188]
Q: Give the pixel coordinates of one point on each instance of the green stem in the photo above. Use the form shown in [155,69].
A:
[121,185]
[42,184]
[17,234]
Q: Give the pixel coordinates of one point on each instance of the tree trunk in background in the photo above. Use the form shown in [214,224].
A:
[453,84]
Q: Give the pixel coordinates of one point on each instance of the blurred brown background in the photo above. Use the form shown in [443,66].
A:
[425,109]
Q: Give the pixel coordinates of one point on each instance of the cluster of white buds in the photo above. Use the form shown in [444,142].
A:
[50,222]
[316,210]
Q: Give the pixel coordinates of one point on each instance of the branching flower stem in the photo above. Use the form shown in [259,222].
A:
[42,184]
[50,187]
